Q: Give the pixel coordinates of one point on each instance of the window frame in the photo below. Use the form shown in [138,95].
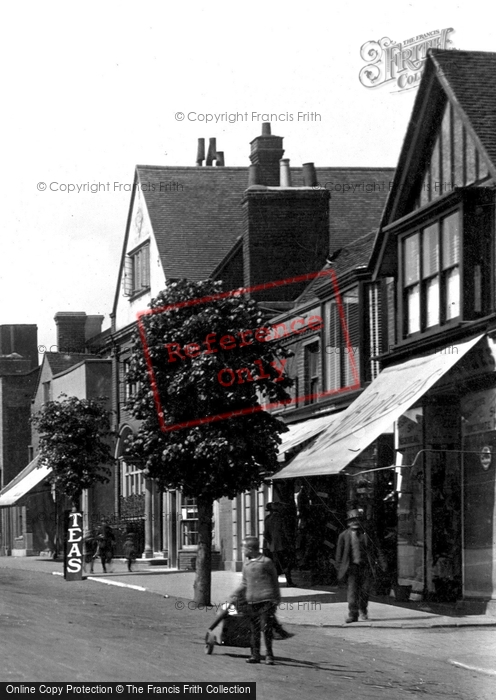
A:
[139,269]
[441,274]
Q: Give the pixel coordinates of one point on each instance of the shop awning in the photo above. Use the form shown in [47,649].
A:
[303,431]
[21,484]
[394,391]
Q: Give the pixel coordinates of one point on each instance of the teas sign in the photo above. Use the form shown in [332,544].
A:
[74,548]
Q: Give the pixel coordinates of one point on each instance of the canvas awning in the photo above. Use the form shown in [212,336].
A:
[303,431]
[394,391]
[21,484]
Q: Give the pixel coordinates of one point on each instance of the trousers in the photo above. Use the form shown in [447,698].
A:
[261,620]
[359,582]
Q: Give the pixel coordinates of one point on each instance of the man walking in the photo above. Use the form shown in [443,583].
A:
[354,558]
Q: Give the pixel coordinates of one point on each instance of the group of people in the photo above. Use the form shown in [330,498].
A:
[259,589]
[101,546]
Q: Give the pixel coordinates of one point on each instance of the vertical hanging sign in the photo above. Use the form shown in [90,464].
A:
[74,548]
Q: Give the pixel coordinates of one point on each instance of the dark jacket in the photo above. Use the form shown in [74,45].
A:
[344,555]
[259,581]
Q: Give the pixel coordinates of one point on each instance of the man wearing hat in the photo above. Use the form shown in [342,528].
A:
[354,559]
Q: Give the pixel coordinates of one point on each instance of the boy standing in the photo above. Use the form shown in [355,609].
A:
[260,588]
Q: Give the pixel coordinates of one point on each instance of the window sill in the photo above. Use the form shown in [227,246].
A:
[137,295]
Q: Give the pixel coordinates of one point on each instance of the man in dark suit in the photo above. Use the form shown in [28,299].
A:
[355,556]
[279,539]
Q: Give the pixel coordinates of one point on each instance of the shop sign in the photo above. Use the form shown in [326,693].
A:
[479,412]
[74,550]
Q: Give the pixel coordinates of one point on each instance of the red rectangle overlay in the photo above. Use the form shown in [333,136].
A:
[262,407]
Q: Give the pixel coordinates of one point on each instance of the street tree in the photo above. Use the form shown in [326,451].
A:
[74,441]
[202,369]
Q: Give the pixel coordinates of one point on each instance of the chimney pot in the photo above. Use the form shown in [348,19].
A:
[212,149]
[219,158]
[200,155]
[309,175]
[285,180]
[266,129]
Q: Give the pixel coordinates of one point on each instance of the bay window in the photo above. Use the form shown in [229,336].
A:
[431,274]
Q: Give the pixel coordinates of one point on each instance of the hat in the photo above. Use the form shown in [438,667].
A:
[353,515]
[268,506]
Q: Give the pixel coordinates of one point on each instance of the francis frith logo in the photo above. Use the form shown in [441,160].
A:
[399,63]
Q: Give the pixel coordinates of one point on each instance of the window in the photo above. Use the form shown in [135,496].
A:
[311,372]
[343,350]
[133,481]
[137,271]
[189,523]
[431,275]
[129,388]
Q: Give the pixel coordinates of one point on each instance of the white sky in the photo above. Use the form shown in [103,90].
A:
[90,90]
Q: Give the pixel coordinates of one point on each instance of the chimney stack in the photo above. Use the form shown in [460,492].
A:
[200,155]
[71,334]
[285,180]
[219,158]
[212,149]
[93,325]
[309,175]
[266,152]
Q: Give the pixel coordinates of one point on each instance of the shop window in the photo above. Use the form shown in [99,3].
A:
[189,523]
[431,275]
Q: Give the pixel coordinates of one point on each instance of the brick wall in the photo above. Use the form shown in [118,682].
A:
[286,234]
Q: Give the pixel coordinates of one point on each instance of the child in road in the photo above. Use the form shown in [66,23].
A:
[260,587]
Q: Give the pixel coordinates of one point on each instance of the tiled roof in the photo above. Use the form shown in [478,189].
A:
[471,75]
[60,361]
[355,255]
[199,217]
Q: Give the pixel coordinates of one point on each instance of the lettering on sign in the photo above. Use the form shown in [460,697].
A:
[74,549]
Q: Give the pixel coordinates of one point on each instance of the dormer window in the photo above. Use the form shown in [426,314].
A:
[431,274]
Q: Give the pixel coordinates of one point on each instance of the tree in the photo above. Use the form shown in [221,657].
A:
[201,355]
[74,442]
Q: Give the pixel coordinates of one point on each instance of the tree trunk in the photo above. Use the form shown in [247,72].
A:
[202,585]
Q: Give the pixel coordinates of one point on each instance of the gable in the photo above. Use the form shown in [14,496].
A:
[140,256]
[452,159]
[450,142]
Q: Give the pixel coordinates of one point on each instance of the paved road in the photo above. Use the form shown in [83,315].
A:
[53,630]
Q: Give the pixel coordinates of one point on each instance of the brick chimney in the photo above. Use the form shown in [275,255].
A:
[266,152]
[71,334]
[93,326]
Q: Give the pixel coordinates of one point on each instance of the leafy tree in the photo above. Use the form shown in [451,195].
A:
[188,377]
[74,443]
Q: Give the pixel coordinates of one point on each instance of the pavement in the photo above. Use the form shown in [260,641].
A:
[316,606]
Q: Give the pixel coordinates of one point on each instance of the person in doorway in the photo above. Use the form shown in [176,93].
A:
[279,536]
[260,588]
[355,556]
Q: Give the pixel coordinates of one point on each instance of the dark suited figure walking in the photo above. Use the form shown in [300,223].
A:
[355,555]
